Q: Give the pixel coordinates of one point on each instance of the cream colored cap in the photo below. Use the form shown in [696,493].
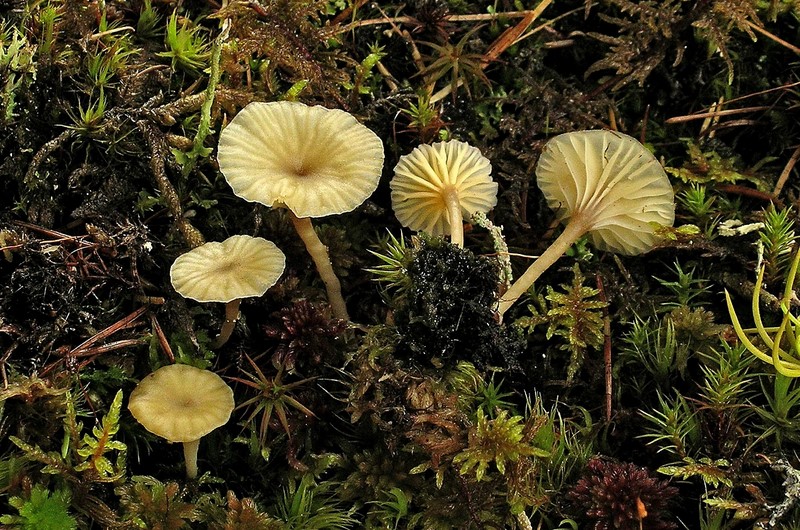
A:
[239,267]
[181,403]
[424,176]
[615,181]
[315,161]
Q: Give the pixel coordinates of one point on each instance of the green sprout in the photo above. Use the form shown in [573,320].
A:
[48,16]
[17,69]
[106,63]
[396,256]
[186,46]
[148,21]
[272,397]
[777,235]
[787,363]
[88,121]
[455,61]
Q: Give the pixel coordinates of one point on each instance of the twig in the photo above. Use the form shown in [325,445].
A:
[787,169]
[501,44]
[87,348]
[750,192]
[98,36]
[4,360]
[480,17]
[162,339]
[510,36]
[775,38]
[643,136]
[348,12]
[713,118]
[606,345]
[546,26]
[765,91]
[713,113]
[727,125]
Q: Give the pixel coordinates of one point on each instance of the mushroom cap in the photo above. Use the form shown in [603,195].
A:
[315,161]
[423,177]
[239,267]
[614,181]
[181,403]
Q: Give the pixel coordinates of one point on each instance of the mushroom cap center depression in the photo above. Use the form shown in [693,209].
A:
[181,403]
[313,160]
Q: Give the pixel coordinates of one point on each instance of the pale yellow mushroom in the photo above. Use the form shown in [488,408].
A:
[312,160]
[436,186]
[227,271]
[181,403]
[603,183]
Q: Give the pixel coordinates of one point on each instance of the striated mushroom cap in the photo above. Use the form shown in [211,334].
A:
[315,161]
[239,267]
[181,403]
[427,174]
[614,181]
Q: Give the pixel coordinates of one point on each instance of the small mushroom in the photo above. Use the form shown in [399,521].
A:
[603,183]
[312,160]
[181,403]
[227,271]
[435,186]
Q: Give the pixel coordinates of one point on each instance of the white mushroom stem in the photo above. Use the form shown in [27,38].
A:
[319,253]
[190,456]
[454,217]
[577,226]
[231,317]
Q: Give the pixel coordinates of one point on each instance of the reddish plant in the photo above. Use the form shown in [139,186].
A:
[622,496]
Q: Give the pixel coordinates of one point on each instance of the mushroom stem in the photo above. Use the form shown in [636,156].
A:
[577,226]
[190,456]
[454,217]
[319,253]
[231,316]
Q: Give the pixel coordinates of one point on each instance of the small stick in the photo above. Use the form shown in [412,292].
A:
[713,118]
[712,113]
[766,91]
[749,192]
[606,345]
[4,360]
[480,17]
[98,36]
[348,13]
[775,38]
[162,339]
[644,124]
[786,171]
[124,323]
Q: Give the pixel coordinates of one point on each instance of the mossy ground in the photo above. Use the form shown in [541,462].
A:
[426,411]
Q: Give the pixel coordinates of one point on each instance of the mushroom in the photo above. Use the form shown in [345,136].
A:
[227,271]
[435,186]
[603,183]
[182,403]
[312,160]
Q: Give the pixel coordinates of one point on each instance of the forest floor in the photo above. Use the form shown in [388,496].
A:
[649,382]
